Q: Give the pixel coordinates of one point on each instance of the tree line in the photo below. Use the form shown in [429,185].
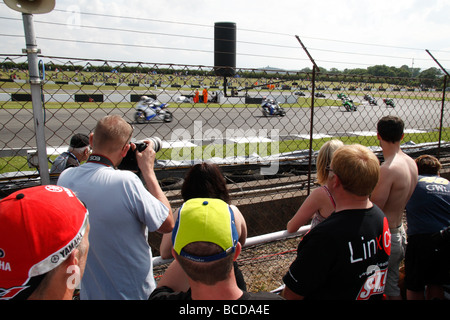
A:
[404,75]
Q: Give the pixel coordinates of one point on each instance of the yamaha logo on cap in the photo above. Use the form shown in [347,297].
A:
[52,188]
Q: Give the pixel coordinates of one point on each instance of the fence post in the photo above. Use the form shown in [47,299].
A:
[443,101]
[442,118]
[36,96]
[315,68]
[311,128]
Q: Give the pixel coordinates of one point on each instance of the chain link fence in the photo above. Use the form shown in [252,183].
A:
[266,158]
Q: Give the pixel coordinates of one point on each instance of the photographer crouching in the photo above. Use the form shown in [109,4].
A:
[122,211]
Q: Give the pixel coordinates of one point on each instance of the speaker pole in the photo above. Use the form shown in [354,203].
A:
[36,94]
[225,82]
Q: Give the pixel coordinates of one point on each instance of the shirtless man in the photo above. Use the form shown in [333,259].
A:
[398,178]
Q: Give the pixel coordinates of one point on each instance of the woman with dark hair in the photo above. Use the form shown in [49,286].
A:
[205,180]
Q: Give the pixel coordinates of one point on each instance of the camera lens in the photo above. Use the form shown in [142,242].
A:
[157,143]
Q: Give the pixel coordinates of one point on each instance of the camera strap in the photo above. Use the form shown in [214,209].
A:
[96,158]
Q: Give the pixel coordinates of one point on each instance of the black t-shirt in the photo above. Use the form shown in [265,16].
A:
[166,293]
[343,257]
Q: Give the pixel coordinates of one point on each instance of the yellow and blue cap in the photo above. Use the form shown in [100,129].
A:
[205,220]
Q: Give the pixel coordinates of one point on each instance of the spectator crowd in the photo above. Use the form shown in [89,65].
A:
[88,232]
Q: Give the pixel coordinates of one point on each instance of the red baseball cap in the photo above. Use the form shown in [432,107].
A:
[39,228]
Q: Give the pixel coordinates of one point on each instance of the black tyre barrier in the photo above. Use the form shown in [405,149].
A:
[88,98]
[20,97]
[243,176]
[171,183]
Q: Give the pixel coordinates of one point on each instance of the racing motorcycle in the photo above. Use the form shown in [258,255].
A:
[372,101]
[348,105]
[148,109]
[389,102]
[271,108]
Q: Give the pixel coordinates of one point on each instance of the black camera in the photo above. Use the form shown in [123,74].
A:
[129,162]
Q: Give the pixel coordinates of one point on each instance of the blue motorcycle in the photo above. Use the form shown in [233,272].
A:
[148,109]
[271,108]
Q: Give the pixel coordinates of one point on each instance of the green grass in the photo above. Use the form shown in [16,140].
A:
[11,164]
[67,105]
[264,149]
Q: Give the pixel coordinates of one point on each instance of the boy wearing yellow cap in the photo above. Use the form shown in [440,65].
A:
[205,244]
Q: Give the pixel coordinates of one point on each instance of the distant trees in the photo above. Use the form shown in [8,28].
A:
[431,77]
[383,71]
[404,75]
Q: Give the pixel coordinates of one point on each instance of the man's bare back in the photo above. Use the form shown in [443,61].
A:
[398,178]
[397,181]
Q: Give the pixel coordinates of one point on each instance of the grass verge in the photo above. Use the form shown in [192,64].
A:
[11,164]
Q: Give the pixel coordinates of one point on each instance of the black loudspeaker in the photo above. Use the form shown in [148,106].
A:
[225,49]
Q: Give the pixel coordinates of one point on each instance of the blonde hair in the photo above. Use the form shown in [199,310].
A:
[357,167]
[324,159]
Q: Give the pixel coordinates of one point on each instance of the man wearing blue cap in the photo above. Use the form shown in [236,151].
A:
[205,244]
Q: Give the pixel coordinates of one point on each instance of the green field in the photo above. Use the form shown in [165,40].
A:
[12,164]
